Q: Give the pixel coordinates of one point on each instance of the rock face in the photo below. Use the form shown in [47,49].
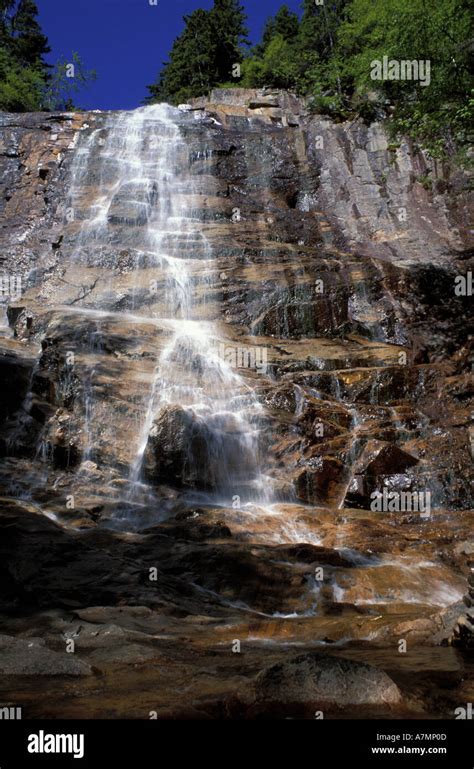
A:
[223,330]
[313,265]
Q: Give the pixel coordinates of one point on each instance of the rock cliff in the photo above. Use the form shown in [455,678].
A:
[216,480]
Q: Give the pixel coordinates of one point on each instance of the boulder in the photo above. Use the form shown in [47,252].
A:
[379,458]
[29,656]
[319,680]
[324,484]
[380,464]
[178,449]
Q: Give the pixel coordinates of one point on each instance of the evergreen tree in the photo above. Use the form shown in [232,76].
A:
[229,35]
[204,55]
[273,62]
[27,82]
[5,22]
[23,71]
[327,56]
[277,67]
[319,72]
[30,45]
[285,23]
[320,24]
[190,69]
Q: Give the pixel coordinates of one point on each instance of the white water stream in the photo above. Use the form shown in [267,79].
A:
[146,186]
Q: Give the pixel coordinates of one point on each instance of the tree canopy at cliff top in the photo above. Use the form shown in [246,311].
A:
[27,83]
[328,55]
[23,71]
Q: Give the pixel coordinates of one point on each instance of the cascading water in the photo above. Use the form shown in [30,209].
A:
[146,190]
[124,412]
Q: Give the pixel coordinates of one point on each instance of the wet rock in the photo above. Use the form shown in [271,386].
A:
[384,459]
[131,204]
[380,465]
[324,485]
[192,525]
[415,631]
[296,248]
[15,375]
[463,634]
[128,654]
[178,449]
[104,614]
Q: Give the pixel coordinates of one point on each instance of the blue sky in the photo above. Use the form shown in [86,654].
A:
[126,41]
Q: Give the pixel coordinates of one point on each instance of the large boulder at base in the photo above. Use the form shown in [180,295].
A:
[323,680]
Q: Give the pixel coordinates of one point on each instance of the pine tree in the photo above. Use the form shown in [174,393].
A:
[27,82]
[285,23]
[5,22]
[229,35]
[204,55]
[319,26]
[327,56]
[23,71]
[274,61]
[190,69]
[30,44]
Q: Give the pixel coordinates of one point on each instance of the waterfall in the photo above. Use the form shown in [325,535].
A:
[145,202]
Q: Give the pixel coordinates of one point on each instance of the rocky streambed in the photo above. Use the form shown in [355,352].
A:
[236,450]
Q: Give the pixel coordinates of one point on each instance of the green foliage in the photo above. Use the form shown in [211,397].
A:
[274,61]
[29,44]
[27,83]
[329,57]
[308,63]
[425,181]
[23,72]
[189,69]
[284,23]
[204,55]
[228,35]
[20,87]
[277,66]
[435,115]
